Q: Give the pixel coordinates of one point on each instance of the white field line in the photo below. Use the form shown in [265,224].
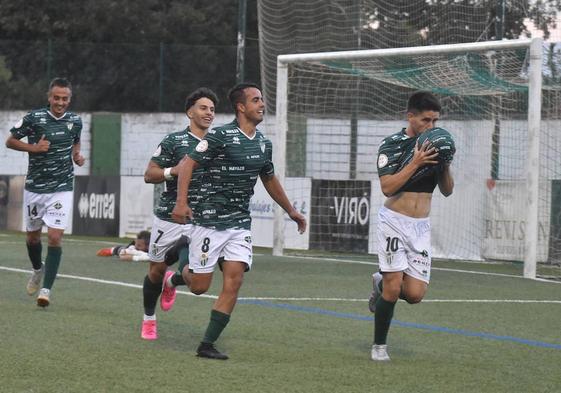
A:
[287,299]
[321,259]
[432,268]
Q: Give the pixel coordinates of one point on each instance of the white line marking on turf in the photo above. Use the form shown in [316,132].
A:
[432,268]
[101,281]
[288,299]
[356,262]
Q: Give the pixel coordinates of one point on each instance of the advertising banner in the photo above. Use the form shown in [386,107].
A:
[261,207]
[137,204]
[340,215]
[96,205]
[505,222]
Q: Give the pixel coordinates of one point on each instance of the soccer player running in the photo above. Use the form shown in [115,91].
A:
[53,144]
[167,234]
[233,157]
[404,249]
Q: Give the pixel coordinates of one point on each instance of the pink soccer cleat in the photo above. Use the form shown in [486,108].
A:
[149,330]
[168,293]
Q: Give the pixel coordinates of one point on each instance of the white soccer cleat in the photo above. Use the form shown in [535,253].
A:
[376,293]
[379,353]
[34,282]
[43,300]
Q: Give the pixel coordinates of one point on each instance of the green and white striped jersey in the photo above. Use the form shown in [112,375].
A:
[232,163]
[395,152]
[53,170]
[170,151]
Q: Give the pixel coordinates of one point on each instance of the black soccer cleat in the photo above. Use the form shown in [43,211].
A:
[207,350]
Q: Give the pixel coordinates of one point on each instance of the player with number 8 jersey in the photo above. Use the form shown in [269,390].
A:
[233,157]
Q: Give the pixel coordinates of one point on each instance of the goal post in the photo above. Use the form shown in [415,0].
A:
[532,177]
[315,85]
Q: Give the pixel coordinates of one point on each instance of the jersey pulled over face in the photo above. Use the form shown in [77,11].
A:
[233,161]
[170,151]
[53,170]
[395,152]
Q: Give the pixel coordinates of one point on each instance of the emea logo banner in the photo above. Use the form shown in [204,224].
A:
[96,205]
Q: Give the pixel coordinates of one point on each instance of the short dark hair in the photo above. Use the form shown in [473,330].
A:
[237,94]
[144,235]
[423,101]
[60,82]
[201,92]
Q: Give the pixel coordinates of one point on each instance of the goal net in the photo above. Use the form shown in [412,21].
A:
[502,104]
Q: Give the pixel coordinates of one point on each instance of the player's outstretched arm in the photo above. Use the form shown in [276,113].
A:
[276,191]
[40,147]
[182,211]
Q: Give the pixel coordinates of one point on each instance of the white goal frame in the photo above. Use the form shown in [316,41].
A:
[534,120]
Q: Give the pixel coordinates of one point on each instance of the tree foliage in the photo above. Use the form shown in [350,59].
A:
[126,55]
[430,22]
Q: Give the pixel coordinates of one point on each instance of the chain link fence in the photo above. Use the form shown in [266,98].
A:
[119,77]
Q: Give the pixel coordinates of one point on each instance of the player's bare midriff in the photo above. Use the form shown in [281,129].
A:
[411,204]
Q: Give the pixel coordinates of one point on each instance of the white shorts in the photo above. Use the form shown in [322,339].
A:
[53,210]
[207,245]
[163,237]
[404,244]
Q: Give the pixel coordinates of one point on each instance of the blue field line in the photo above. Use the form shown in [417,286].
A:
[461,332]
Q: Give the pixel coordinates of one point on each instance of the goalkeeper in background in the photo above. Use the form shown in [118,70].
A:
[137,250]
[409,171]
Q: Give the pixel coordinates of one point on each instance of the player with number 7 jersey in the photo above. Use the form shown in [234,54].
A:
[169,240]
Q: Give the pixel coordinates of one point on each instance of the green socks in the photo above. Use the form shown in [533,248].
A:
[34,251]
[382,320]
[177,278]
[51,266]
[217,323]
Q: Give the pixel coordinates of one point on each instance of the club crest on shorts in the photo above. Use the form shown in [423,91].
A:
[204,258]
[248,239]
[202,146]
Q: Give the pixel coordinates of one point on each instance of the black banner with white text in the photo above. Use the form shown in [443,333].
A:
[96,205]
[340,215]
